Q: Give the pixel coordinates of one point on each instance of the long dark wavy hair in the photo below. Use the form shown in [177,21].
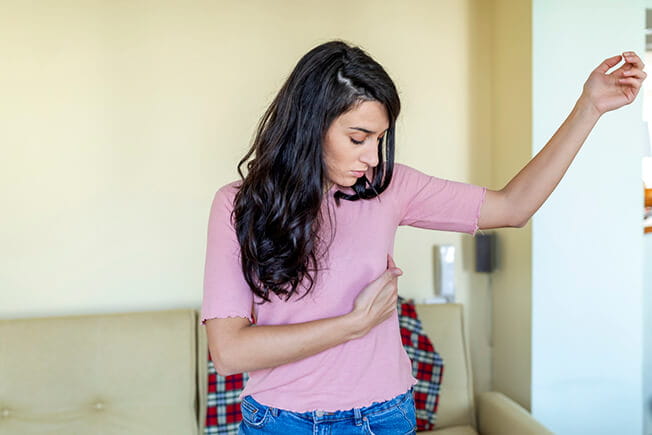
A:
[277,208]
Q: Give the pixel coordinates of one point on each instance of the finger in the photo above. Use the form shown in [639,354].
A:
[632,58]
[630,81]
[390,261]
[608,64]
[389,274]
[392,266]
[636,73]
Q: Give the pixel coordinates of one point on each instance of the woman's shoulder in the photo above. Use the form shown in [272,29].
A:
[402,172]
[401,169]
[406,173]
[230,188]
[407,181]
[225,194]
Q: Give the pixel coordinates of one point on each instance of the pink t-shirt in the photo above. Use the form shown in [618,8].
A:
[356,373]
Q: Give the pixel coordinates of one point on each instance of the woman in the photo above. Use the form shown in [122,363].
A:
[302,244]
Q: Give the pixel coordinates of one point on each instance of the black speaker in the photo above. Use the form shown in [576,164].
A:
[485,252]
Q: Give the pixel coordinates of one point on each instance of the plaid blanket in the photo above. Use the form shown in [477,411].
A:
[427,365]
[223,407]
[223,413]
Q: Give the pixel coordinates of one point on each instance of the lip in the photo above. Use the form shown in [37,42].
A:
[358,173]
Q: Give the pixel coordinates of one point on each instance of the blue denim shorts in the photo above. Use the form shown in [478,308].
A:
[394,416]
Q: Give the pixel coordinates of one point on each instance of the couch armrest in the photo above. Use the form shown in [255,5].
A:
[499,415]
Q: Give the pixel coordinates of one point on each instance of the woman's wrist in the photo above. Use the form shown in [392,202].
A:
[585,108]
[354,324]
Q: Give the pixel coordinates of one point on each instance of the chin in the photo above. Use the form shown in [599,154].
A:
[351,181]
[347,183]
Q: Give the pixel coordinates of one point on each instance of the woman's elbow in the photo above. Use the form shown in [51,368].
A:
[222,335]
[521,222]
[221,367]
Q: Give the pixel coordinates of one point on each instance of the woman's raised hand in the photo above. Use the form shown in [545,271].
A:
[606,92]
[377,302]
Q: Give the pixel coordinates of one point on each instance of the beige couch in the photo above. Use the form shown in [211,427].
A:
[145,373]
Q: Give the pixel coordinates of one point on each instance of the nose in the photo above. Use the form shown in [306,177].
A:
[370,155]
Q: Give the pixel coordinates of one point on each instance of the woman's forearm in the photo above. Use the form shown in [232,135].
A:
[265,346]
[528,190]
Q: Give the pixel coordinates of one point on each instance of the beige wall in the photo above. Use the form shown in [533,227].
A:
[122,119]
[511,150]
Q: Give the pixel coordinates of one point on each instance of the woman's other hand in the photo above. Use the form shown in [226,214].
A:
[377,302]
[605,92]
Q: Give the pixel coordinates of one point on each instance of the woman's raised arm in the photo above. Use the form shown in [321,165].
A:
[515,204]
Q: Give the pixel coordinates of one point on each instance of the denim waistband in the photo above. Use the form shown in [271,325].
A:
[351,414]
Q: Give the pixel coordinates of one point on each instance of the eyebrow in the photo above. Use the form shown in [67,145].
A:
[365,130]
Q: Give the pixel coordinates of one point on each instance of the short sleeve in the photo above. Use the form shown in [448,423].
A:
[226,293]
[436,203]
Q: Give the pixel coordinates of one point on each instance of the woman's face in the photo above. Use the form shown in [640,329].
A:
[351,144]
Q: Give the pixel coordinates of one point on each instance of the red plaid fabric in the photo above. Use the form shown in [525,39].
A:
[427,365]
[223,408]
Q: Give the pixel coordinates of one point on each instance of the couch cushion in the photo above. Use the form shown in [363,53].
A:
[455,430]
[100,374]
[443,324]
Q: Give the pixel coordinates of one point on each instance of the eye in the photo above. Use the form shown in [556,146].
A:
[357,142]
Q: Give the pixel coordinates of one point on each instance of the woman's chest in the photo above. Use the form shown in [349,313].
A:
[351,253]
